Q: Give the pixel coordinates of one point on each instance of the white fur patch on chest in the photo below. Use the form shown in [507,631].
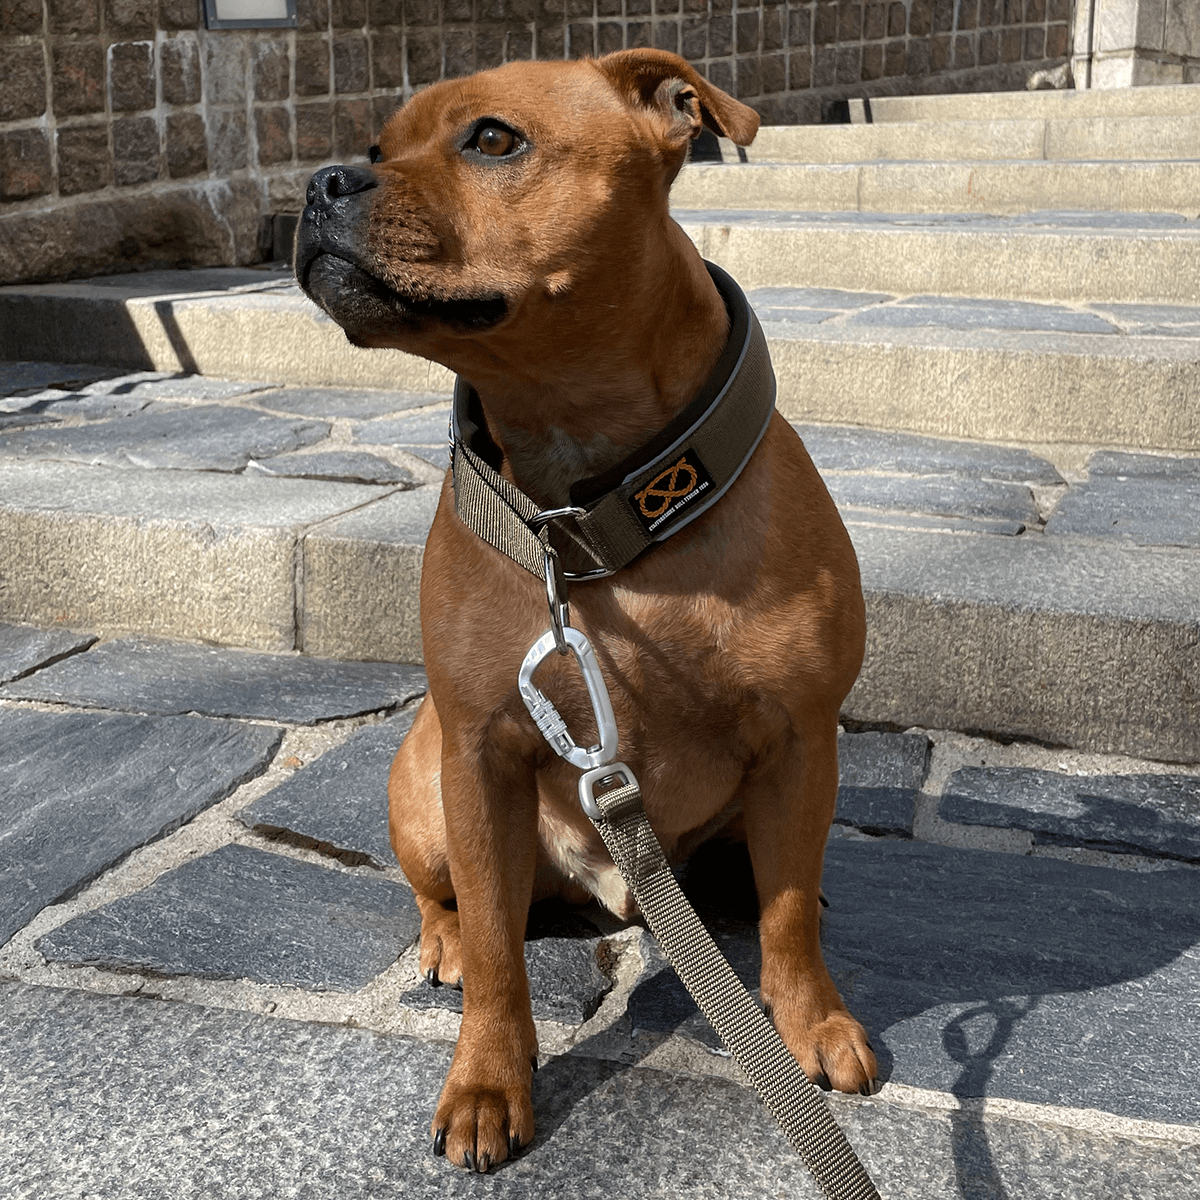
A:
[585,861]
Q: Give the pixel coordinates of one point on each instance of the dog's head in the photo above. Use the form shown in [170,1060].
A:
[493,198]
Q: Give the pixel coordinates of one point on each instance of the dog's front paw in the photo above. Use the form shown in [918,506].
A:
[480,1124]
[832,1048]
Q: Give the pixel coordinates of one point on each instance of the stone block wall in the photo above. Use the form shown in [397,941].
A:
[131,136]
[1129,43]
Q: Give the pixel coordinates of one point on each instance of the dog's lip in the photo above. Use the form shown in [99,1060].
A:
[466,312]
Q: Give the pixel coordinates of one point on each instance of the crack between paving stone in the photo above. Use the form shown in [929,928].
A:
[52,661]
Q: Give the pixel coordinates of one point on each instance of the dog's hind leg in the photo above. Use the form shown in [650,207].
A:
[788,804]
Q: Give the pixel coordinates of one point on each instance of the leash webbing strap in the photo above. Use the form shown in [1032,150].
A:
[742,1026]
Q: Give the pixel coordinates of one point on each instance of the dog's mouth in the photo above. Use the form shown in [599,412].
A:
[369,309]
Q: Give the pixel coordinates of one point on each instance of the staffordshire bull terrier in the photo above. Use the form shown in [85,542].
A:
[514,227]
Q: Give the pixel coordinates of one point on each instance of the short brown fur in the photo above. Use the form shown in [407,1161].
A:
[728,650]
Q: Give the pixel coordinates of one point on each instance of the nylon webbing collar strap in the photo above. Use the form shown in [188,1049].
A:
[659,489]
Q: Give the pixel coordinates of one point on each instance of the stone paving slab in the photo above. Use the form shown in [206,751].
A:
[167,385]
[345,466]
[24,650]
[937,495]
[778,302]
[1144,466]
[1149,814]
[208,438]
[1030,978]
[242,913]
[968,313]
[565,981]
[79,791]
[986,974]
[851,448]
[19,378]
[1143,511]
[191,1101]
[1154,319]
[163,678]
[880,775]
[362,404]
[341,799]
[425,434]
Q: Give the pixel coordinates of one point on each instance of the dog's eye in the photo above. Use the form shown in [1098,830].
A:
[495,141]
[375,154]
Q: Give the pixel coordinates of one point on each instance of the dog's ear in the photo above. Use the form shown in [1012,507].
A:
[664,83]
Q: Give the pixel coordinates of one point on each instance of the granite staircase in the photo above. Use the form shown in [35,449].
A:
[984,318]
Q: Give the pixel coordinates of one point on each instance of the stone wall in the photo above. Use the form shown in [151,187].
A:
[131,136]
[1127,43]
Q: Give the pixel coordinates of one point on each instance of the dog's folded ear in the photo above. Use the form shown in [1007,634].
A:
[662,82]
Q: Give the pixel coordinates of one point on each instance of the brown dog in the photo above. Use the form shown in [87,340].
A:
[515,228]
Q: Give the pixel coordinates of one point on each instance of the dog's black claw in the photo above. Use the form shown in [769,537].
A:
[768,1011]
[533,1062]
[439,1143]
[469,1160]
[821,897]
[483,1164]
[867,1089]
[431,977]
[514,1145]
[821,1080]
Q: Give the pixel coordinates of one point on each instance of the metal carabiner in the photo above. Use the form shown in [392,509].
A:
[546,716]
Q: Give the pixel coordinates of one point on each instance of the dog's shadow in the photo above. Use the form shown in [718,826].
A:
[976,974]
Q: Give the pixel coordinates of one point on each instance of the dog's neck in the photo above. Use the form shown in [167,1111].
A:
[609,386]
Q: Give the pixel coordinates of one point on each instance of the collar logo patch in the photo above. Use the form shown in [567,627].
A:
[672,491]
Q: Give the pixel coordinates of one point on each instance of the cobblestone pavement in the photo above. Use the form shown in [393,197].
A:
[1010,922]
[1015,924]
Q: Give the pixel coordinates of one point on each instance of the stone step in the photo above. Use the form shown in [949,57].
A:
[243,932]
[1116,258]
[1001,597]
[962,367]
[994,186]
[1083,138]
[995,370]
[1065,104]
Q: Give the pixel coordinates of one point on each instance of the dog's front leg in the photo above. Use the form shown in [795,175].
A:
[486,1111]
[788,805]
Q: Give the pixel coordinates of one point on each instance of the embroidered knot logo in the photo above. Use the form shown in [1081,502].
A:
[671,491]
[680,479]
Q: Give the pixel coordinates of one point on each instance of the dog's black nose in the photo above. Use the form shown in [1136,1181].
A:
[331,183]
